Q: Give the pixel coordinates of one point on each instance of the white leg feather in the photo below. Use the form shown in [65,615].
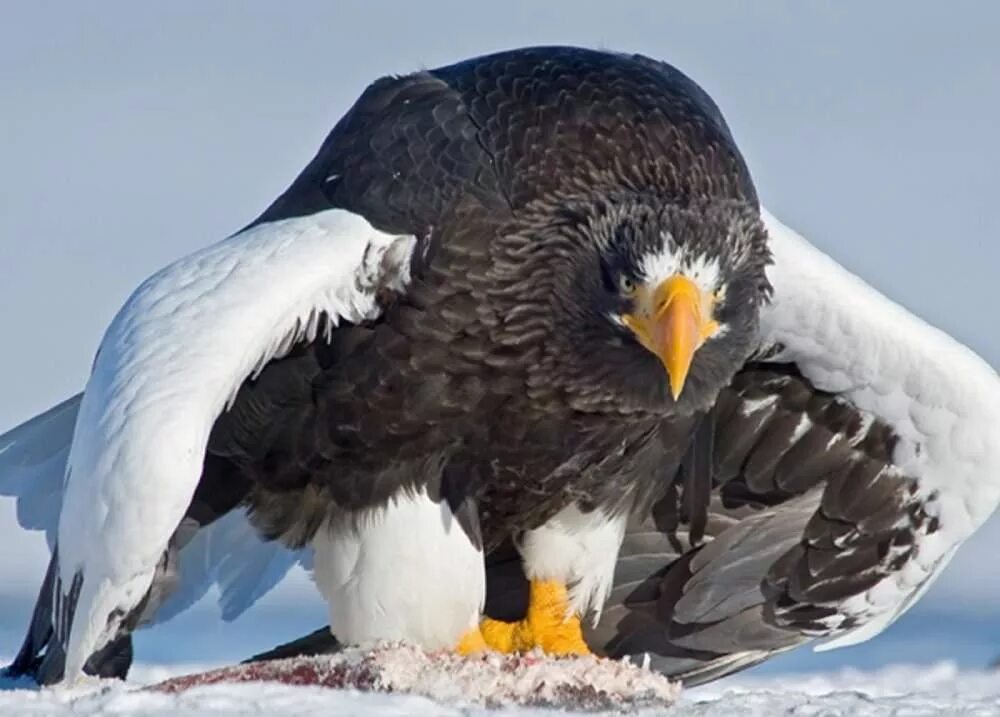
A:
[578,549]
[404,572]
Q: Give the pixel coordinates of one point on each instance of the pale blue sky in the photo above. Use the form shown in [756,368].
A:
[131,135]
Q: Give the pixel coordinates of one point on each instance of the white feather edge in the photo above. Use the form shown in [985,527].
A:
[228,554]
[940,398]
[33,465]
[170,362]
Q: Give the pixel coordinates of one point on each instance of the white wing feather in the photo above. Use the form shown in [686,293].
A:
[231,555]
[171,360]
[941,399]
[228,554]
[33,465]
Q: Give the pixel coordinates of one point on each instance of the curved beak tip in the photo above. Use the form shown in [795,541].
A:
[676,386]
[673,327]
[680,338]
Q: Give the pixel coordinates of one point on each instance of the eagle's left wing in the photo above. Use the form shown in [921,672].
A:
[845,467]
[939,400]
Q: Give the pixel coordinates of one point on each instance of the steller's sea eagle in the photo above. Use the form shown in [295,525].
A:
[523,311]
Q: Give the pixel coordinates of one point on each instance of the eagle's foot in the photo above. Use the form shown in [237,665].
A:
[472,642]
[507,637]
[549,625]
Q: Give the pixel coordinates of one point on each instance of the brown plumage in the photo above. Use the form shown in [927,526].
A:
[529,176]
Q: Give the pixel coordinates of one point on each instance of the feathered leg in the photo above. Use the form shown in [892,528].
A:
[570,562]
[409,571]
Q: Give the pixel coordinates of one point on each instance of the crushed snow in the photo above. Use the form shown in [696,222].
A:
[488,680]
[386,677]
[897,691]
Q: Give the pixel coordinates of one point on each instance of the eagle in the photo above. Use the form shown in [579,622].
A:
[518,361]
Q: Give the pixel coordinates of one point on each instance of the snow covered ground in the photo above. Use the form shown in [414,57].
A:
[941,689]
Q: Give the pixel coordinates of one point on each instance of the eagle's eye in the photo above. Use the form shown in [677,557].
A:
[626,285]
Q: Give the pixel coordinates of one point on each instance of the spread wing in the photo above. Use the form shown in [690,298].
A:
[171,361]
[844,467]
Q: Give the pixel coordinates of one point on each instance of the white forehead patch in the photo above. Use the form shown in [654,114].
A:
[703,271]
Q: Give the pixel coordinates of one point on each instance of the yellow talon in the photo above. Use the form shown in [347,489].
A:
[471,642]
[549,624]
[507,637]
[557,631]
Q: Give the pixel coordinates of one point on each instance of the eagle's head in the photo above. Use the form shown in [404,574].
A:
[650,306]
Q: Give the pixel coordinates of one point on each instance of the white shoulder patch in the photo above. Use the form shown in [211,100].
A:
[171,360]
[940,398]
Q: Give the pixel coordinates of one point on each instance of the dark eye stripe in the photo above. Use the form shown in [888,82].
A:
[608,278]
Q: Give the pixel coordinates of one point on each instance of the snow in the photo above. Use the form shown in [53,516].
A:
[939,689]
[388,676]
[913,691]
[489,679]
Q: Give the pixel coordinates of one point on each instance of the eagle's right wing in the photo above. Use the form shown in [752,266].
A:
[171,361]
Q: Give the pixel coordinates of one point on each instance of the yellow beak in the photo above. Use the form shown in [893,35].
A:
[673,321]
